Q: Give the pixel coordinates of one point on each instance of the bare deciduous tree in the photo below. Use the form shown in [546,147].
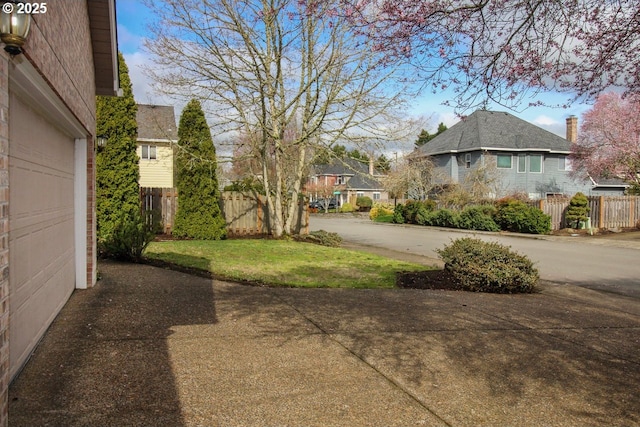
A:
[412,177]
[288,75]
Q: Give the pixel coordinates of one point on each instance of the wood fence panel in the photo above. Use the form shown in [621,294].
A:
[159,207]
[556,209]
[618,212]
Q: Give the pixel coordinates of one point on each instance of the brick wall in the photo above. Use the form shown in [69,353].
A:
[59,46]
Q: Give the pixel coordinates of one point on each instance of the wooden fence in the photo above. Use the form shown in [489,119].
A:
[245,214]
[159,207]
[605,211]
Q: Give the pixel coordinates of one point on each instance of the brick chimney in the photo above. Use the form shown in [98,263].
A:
[572,129]
[371,168]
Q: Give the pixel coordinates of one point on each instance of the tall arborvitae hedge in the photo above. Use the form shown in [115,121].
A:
[199,215]
[117,191]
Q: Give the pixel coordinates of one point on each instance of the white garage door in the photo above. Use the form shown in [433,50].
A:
[41,235]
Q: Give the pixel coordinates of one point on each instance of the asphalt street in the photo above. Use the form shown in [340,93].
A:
[597,263]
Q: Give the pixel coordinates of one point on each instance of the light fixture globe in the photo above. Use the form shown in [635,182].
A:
[14,28]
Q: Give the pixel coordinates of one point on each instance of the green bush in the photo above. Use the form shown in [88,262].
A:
[480,266]
[347,208]
[478,218]
[517,216]
[321,237]
[412,207]
[423,216]
[578,209]
[444,218]
[398,214]
[380,209]
[129,239]
[364,202]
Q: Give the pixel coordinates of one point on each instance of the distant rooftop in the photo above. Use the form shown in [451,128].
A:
[156,122]
[493,130]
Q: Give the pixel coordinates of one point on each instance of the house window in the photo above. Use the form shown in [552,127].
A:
[359,194]
[148,152]
[340,180]
[376,196]
[467,160]
[504,161]
[535,163]
[522,163]
[564,164]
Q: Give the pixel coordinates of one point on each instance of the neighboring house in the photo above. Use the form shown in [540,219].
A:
[526,159]
[47,169]
[157,138]
[351,178]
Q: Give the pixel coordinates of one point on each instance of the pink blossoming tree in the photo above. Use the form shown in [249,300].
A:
[608,143]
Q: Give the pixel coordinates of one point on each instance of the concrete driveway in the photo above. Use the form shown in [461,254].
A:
[597,263]
[149,347]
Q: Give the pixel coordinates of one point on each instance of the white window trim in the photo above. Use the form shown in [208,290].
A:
[541,163]
[150,149]
[510,160]
[524,169]
[467,160]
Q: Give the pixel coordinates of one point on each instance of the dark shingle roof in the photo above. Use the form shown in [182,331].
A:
[363,182]
[342,167]
[156,122]
[493,130]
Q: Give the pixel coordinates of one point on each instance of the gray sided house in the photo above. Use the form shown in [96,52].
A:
[350,177]
[524,158]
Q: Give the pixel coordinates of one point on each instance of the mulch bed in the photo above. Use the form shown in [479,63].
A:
[430,279]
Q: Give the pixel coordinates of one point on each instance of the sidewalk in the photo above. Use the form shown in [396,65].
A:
[153,347]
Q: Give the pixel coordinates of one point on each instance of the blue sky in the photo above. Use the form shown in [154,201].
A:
[134,19]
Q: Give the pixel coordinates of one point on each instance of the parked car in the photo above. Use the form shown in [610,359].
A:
[321,204]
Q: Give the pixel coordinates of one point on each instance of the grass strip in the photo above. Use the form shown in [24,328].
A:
[282,263]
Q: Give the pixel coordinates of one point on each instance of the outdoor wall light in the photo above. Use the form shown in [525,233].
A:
[14,27]
[101,141]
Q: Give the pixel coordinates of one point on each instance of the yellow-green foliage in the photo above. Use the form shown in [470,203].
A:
[380,209]
[347,207]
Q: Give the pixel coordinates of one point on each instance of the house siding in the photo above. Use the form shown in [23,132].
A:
[157,172]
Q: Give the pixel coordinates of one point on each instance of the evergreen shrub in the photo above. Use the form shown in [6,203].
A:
[364,203]
[128,240]
[480,266]
[478,218]
[514,215]
[578,210]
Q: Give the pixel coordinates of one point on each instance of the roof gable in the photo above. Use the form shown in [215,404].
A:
[156,122]
[492,130]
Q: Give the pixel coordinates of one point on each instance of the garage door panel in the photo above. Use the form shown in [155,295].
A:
[41,236]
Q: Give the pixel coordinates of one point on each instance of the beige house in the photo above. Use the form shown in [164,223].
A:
[157,138]
[47,168]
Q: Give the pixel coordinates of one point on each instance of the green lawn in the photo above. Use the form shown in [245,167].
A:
[283,263]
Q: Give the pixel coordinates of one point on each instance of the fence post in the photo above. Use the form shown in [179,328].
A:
[601,209]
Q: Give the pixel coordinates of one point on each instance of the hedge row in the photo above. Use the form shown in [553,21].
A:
[506,214]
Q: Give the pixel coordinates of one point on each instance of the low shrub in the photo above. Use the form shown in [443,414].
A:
[364,203]
[380,209]
[347,208]
[423,216]
[478,217]
[578,210]
[514,215]
[398,214]
[130,237]
[321,237]
[444,218]
[480,266]
[412,207]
